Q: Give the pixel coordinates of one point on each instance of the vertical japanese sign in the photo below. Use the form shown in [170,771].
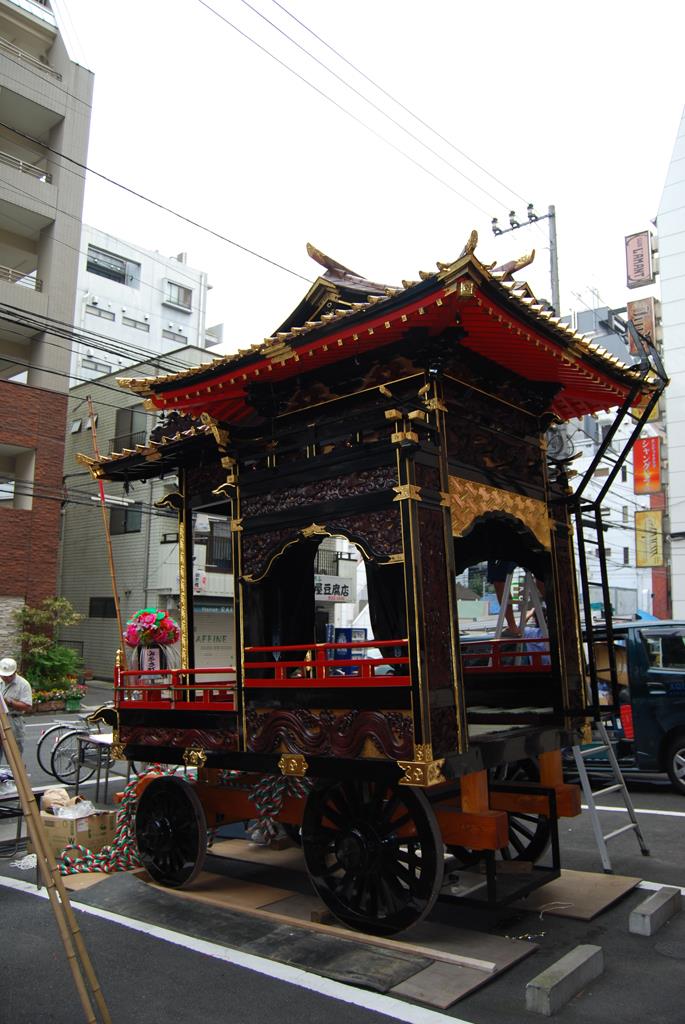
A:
[646,466]
[639,269]
[649,538]
[642,312]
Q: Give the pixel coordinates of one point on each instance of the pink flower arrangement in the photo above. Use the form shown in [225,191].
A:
[151,626]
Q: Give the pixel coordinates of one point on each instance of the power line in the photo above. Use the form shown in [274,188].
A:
[366,99]
[81,252]
[394,99]
[343,109]
[155,203]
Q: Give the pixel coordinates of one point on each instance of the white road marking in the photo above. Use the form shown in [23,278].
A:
[387,1005]
[639,810]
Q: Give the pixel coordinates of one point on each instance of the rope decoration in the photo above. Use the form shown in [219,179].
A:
[267,794]
[122,853]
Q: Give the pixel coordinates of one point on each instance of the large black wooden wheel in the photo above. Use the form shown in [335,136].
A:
[171,831]
[529,834]
[374,853]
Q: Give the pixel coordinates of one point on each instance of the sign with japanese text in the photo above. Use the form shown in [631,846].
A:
[646,466]
[649,538]
[335,588]
[639,269]
[642,312]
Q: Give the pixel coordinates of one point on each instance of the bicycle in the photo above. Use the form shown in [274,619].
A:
[71,758]
[51,736]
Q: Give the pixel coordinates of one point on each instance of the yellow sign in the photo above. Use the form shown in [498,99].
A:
[649,538]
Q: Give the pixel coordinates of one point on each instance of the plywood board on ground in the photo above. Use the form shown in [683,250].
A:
[240,849]
[84,880]
[227,892]
[579,894]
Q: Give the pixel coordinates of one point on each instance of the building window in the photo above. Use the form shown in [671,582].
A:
[625,512]
[626,556]
[17,466]
[104,314]
[172,336]
[624,473]
[125,519]
[115,268]
[130,428]
[169,538]
[177,295]
[138,325]
[102,608]
[219,547]
[76,426]
[93,364]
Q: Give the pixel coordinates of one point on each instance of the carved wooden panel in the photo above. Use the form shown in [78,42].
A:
[205,478]
[331,734]
[315,492]
[260,548]
[159,736]
[469,500]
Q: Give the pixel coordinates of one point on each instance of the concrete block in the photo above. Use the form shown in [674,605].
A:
[655,911]
[549,991]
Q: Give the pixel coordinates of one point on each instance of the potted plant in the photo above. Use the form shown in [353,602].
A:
[73,697]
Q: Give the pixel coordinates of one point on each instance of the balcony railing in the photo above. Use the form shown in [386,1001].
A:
[26,58]
[25,280]
[25,168]
[117,444]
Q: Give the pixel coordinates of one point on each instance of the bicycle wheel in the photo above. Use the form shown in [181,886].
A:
[64,763]
[47,743]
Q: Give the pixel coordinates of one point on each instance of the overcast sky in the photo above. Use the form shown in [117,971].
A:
[572,104]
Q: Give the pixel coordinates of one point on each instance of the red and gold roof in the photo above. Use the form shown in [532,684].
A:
[502,321]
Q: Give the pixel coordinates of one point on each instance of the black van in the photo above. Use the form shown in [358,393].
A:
[650,662]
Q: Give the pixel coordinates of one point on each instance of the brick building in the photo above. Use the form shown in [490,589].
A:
[45,111]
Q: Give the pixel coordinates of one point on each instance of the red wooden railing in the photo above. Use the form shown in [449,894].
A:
[175,688]
[507,654]
[317,666]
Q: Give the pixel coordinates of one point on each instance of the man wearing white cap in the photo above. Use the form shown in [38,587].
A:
[18,697]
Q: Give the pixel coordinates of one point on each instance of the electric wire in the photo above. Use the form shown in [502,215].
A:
[343,109]
[394,99]
[376,107]
[158,205]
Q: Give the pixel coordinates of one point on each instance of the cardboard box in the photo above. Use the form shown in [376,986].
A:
[93,832]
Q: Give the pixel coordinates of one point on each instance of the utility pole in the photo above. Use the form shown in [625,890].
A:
[533,218]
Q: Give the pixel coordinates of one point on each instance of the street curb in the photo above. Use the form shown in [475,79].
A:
[551,989]
[655,911]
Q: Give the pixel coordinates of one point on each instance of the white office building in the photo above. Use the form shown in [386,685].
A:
[133,303]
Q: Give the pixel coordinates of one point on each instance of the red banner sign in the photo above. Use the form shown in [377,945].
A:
[646,466]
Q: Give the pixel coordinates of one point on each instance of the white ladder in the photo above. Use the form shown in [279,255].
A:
[618,786]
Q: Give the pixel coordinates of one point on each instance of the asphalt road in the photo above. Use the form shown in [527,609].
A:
[154,969]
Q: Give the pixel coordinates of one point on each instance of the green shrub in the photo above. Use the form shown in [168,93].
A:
[44,661]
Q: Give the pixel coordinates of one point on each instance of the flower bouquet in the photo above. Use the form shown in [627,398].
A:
[151,626]
[152,632]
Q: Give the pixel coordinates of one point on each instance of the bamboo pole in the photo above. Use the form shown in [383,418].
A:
[108,537]
[77,955]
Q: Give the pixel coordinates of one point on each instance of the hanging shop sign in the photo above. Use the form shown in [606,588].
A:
[639,270]
[642,312]
[647,466]
[335,588]
[649,538]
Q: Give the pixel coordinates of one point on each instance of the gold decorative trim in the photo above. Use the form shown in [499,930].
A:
[424,771]
[116,751]
[236,525]
[467,289]
[393,414]
[469,500]
[436,405]
[173,500]
[407,492]
[404,435]
[315,530]
[417,414]
[194,757]
[221,435]
[293,764]
[393,559]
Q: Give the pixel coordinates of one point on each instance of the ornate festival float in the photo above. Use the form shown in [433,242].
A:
[414,422]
